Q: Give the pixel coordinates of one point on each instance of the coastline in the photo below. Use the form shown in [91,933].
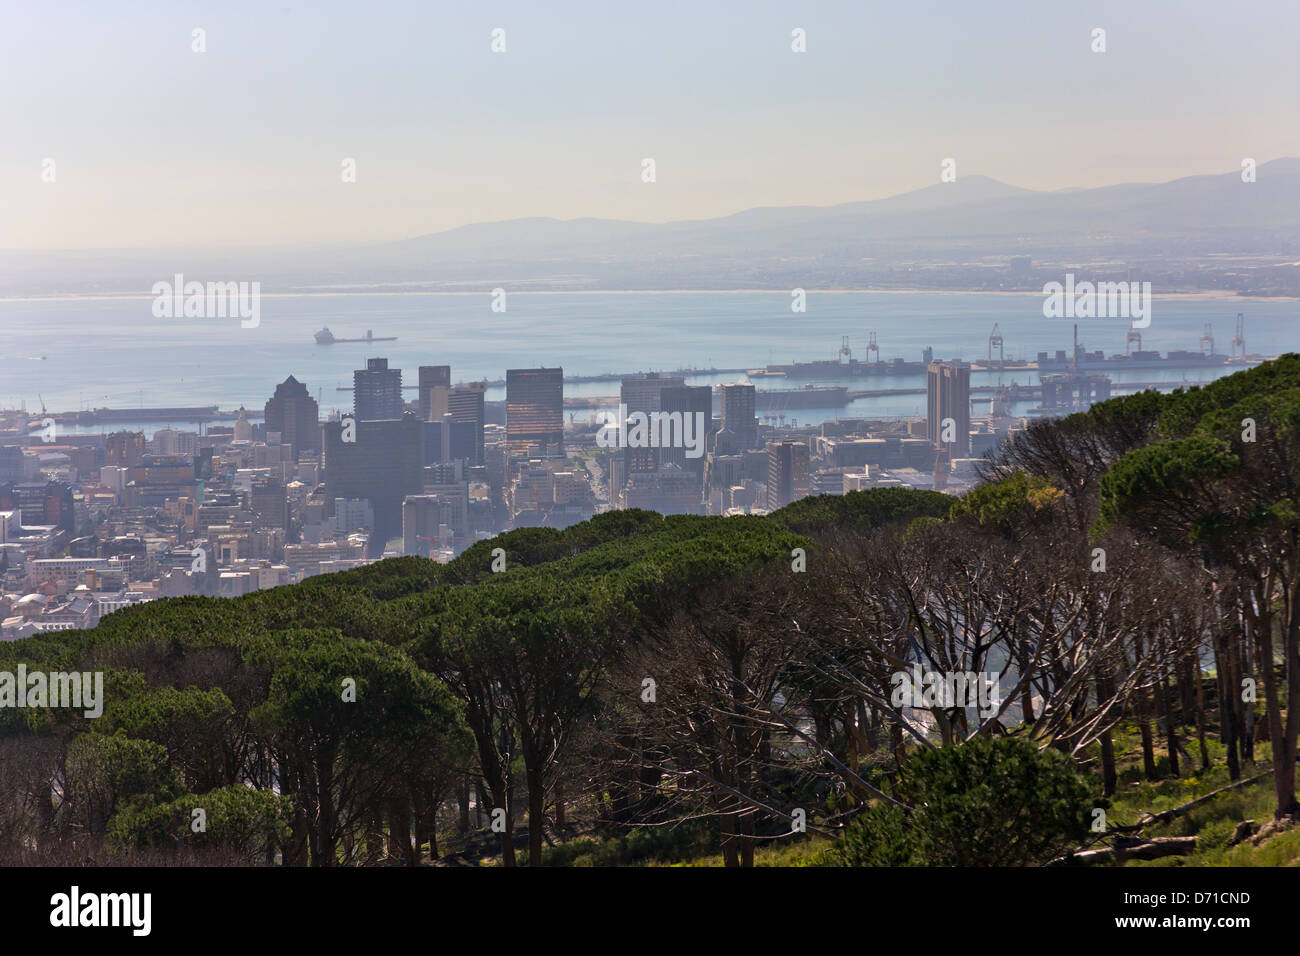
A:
[1206,295]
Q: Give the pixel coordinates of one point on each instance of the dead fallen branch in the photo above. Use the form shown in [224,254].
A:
[1128,848]
[1164,816]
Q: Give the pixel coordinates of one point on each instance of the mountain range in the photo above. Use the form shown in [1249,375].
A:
[1194,222]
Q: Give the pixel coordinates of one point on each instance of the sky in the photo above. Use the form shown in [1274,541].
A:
[155,145]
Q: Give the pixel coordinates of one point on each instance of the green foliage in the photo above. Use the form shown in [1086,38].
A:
[188,723]
[396,704]
[237,819]
[644,845]
[105,772]
[1159,473]
[987,802]
[880,836]
[861,511]
[1006,505]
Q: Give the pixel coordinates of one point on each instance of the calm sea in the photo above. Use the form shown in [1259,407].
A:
[114,353]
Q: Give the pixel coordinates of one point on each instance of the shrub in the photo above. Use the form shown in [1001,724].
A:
[986,802]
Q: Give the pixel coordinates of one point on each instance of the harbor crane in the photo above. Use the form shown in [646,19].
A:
[872,347]
[1239,336]
[995,339]
[1131,336]
[1207,339]
[846,353]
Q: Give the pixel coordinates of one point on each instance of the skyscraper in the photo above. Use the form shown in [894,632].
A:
[377,391]
[465,403]
[644,394]
[738,404]
[424,517]
[535,412]
[787,473]
[124,449]
[383,465]
[694,400]
[948,398]
[293,413]
[435,383]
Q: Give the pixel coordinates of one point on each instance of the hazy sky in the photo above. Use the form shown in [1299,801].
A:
[155,145]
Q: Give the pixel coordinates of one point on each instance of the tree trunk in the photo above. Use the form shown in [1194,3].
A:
[1200,713]
[462,804]
[1109,776]
[730,857]
[536,816]
[1171,728]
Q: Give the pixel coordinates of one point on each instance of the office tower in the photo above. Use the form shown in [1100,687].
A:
[11,463]
[465,402]
[426,523]
[383,465]
[267,500]
[643,394]
[449,440]
[294,414]
[435,383]
[738,404]
[695,401]
[169,441]
[617,477]
[948,397]
[160,477]
[353,514]
[667,491]
[787,473]
[535,412]
[377,391]
[47,503]
[124,449]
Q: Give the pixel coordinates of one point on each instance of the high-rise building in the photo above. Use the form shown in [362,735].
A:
[124,449]
[435,383]
[669,490]
[738,405]
[426,523]
[787,473]
[169,441]
[353,514]
[948,404]
[377,392]
[535,412]
[644,394]
[11,463]
[267,500]
[383,465]
[465,403]
[47,503]
[160,477]
[294,414]
[695,401]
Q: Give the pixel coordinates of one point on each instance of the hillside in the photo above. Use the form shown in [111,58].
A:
[1108,626]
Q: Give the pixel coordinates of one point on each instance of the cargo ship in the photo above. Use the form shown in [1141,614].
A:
[832,369]
[1098,361]
[810,396]
[326,337]
[846,366]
